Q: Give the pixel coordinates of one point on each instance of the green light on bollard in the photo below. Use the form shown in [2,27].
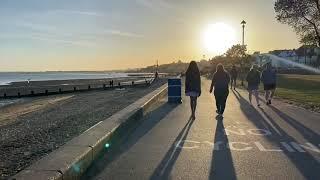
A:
[107,145]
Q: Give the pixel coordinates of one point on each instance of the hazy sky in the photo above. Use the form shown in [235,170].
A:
[40,35]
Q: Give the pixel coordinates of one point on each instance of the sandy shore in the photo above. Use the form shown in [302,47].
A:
[33,127]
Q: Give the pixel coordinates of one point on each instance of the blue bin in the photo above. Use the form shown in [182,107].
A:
[174,90]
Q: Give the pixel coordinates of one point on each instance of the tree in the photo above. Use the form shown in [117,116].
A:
[236,51]
[303,16]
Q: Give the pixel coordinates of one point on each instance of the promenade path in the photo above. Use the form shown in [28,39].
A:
[272,142]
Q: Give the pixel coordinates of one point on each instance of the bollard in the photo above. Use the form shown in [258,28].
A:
[89,87]
[4,95]
[132,83]
[19,95]
[60,90]
[46,92]
[74,89]
[119,84]
[104,86]
[32,93]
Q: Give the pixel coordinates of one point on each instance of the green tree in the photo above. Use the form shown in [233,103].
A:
[236,51]
[303,16]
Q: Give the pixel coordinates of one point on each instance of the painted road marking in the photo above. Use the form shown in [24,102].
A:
[242,132]
[245,146]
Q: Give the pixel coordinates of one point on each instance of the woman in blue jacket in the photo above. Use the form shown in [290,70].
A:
[193,86]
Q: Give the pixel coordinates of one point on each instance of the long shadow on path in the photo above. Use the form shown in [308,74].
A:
[222,164]
[126,141]
[165,167]
[306,132]
[304,161]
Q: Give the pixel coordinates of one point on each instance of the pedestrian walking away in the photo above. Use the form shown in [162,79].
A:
[234,75]
[253,79]
[220,83]
[269,79]
[193,86]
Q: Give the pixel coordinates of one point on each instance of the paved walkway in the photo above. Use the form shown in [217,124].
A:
[276,142]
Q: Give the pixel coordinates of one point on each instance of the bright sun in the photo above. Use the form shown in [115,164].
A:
[218,38]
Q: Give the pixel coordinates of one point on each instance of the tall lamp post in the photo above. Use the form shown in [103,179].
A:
[243,26]
[243,23]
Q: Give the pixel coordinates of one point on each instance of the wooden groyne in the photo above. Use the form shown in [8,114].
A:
[31,91]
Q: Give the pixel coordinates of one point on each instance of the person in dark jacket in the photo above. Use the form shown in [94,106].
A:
[253,79]
[234,75]
[220,82]
[193,86]
[269,79]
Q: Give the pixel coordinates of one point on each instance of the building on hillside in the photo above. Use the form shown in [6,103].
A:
[285,54]
[309,55]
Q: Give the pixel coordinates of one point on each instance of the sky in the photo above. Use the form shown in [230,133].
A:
[84,35]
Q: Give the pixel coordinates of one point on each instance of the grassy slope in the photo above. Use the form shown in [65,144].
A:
[303,90]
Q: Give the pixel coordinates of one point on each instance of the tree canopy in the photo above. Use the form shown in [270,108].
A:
[236,51]
[303,16]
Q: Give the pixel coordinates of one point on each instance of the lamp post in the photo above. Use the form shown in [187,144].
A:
[243,26]
[243,23]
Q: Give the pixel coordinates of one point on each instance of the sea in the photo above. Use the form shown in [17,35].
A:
[8,77]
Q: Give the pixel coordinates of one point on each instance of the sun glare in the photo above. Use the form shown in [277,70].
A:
[218,38]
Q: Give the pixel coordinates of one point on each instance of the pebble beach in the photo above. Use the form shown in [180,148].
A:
[32,127]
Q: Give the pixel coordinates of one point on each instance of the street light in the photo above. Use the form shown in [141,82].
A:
[243,26]
[241,64]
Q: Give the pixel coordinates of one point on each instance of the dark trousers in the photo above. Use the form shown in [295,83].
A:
[233,81]
[221,98]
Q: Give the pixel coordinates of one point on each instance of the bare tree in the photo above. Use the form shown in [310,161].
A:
[303,16]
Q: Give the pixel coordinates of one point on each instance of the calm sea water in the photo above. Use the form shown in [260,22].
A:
[8,77]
